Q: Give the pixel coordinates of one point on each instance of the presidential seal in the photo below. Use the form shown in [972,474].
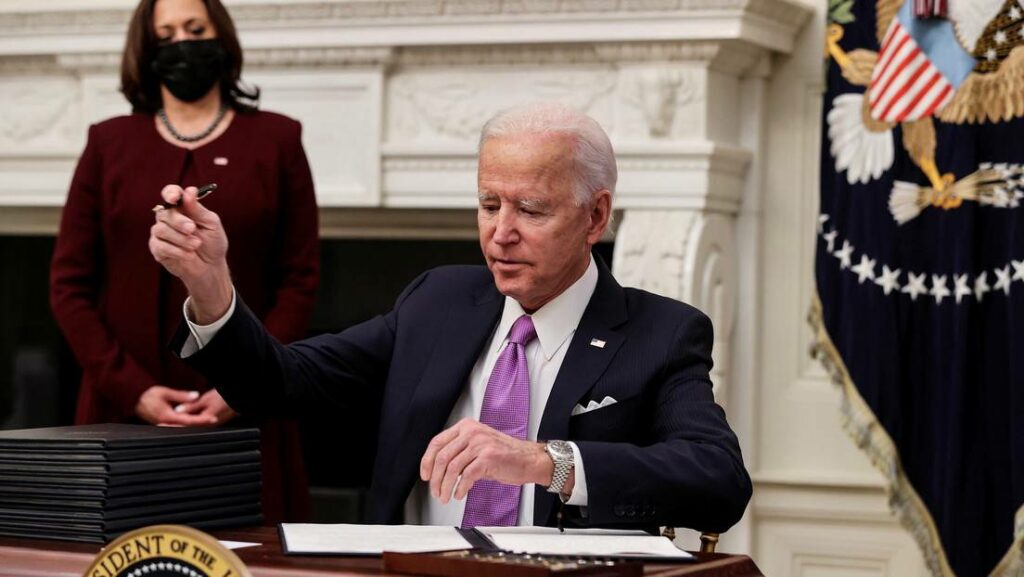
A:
[166,551]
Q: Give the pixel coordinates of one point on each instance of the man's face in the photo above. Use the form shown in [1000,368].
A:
[536,241]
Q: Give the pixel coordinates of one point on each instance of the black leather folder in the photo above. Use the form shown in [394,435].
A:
[12,492]
[43,454]
[138,511]
[104,526]
[120,483]
[88,535]
[93,482]
[116,468]
[115,436]
[58,502]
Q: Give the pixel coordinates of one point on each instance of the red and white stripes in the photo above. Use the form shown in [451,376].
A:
[930,8]
[905,85]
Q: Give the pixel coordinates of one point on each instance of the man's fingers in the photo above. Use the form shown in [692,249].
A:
[176,220]
[163,251]
[473,472]
[436,444]
[190,206]
[168,234]
[450,477]
[442,464]
[171,193]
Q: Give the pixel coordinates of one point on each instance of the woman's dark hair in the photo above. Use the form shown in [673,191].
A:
[140,84]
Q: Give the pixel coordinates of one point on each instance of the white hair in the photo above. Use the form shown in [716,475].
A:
[593,157]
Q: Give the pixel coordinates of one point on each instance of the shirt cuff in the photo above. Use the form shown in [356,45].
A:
[579,490]
[202,334]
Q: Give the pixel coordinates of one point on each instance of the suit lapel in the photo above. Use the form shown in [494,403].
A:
[459,342]
[584,363]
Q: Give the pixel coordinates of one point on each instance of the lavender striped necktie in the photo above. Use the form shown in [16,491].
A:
[506,409]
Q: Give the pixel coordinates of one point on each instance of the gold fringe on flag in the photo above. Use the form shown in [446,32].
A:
[1012,564]
[863,427]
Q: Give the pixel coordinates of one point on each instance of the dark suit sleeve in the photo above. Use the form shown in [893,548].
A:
[691,474]
[259,376]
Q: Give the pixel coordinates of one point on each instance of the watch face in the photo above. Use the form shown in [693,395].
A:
[559,450]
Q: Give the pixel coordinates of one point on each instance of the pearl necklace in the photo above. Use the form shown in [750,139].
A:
[197,137]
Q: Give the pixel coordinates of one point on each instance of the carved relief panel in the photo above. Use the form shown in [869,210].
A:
[340,111]
[41,114]
[444,105]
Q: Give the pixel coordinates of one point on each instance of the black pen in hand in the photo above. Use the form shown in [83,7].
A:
[203,192]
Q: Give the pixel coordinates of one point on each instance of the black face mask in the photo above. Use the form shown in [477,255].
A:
[190,68]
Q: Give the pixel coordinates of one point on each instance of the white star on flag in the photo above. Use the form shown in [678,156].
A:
[844,254]
[915,285]
[1002,279]
[981,286]
[830,240]
[889,280]
[865,270]
[939,290]
[961,289]
[822,219]
[1018,269]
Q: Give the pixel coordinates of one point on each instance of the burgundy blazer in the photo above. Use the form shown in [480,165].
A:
[118,308]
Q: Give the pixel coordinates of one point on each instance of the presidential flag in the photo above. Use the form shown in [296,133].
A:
[919,313]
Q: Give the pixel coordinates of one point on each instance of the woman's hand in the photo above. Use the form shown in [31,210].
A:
[209,405]
[159,405]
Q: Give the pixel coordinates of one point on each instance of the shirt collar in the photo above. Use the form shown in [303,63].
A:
[556,321]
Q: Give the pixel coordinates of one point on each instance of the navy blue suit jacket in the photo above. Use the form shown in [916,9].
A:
[662,455]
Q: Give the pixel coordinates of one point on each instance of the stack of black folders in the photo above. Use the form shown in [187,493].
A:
[93,482]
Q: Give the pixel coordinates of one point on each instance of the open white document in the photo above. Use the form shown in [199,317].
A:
[343,539]
[584,542]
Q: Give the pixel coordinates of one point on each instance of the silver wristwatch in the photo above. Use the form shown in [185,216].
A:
[561,455]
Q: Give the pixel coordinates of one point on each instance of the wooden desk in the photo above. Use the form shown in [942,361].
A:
[40,558]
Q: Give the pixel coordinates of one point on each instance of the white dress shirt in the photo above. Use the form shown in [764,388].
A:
[555,323]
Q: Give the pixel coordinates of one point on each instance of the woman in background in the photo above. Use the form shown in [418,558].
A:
[193,123]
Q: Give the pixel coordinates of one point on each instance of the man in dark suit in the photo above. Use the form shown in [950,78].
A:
[509,394]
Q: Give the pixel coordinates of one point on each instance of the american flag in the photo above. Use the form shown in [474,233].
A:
[930,8]
[919,67]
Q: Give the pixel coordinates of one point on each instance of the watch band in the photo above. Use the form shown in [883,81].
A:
[562,457]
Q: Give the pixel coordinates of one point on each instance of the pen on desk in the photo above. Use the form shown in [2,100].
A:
[203,192]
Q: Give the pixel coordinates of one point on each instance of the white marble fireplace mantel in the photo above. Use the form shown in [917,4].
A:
[392,94]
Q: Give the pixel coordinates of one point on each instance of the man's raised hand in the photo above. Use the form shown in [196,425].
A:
[189,241]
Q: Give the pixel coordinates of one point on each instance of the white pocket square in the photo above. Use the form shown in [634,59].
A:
[592,406]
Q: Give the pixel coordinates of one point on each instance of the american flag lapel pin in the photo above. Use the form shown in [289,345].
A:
[597,343]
